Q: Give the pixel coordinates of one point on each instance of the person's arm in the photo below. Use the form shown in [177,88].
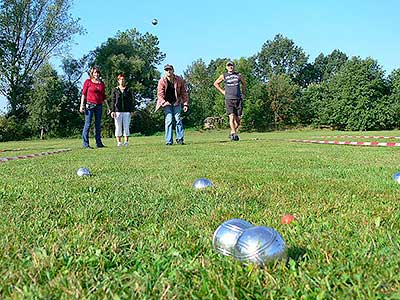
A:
[83,97]
[108,107]
[161,89]
[243,86]
[113,96]
[185,97]
[105,99]
[133,102]
[217,84]
[82,106]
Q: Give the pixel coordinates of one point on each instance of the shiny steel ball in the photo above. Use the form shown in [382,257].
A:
[228,233]
[396,177]
[154,22]
[83,172]
[202,183]
[260,245]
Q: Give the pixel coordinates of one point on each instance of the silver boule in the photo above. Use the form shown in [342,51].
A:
[260,245]
[396,177]
[227,235]
[83,172]
[202,183]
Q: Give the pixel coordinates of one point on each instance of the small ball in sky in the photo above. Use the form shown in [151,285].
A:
[154,22]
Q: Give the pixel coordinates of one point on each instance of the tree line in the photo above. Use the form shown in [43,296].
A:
[284,88]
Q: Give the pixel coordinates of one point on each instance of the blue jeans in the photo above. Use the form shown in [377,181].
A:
[172,111]
[96,111]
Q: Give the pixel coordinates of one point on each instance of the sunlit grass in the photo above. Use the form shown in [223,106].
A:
[137,228]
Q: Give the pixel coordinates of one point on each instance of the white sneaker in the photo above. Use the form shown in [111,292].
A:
[126,144]
[119,144]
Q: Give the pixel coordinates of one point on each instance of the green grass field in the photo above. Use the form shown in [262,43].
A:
[137,229]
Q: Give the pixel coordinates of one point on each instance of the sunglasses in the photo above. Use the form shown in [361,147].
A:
[168,69]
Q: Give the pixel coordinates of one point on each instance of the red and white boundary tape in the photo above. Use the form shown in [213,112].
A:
[349,143]
[359,137]
[4,159]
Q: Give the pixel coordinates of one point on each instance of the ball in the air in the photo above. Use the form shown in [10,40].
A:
[154,22]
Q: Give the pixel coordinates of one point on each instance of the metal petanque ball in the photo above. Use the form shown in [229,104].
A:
[260,245]
[202,183]
[83,172]
[396,177]
[154,22]
[227,235]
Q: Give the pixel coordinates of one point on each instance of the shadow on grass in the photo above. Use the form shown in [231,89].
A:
[297,254]
[213,142]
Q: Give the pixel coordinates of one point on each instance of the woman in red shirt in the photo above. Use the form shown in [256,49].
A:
[93,97]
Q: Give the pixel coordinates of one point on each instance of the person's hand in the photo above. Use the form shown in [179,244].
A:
[166,103]
[113,114]
[82,108]
[185,108]
[132,113]
[108,110]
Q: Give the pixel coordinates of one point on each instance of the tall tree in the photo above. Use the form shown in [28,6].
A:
[354,96]
[280,56]
[202,93]
[70,119]
[282,94]
[327,66]
[394,80]
[31,32]
[135,55]
[45,102]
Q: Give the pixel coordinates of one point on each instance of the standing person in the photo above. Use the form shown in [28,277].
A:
[171,94]
[233,97]
[93,97]
[122,110]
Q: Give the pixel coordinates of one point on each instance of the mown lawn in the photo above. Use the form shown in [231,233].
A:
[137,229]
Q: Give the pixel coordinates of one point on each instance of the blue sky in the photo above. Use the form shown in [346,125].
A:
[189,30]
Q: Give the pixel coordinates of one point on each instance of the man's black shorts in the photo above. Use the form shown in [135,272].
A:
[234,106]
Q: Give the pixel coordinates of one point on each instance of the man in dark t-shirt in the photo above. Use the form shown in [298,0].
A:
[234,96]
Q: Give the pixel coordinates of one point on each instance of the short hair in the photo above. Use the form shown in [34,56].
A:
[120,76]
[95,68]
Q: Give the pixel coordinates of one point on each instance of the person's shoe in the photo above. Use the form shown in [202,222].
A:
[180,142]
[168,144]
[231,136]
[87,147]
[101,146]
[126,144]
[119,144]
[235,137]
